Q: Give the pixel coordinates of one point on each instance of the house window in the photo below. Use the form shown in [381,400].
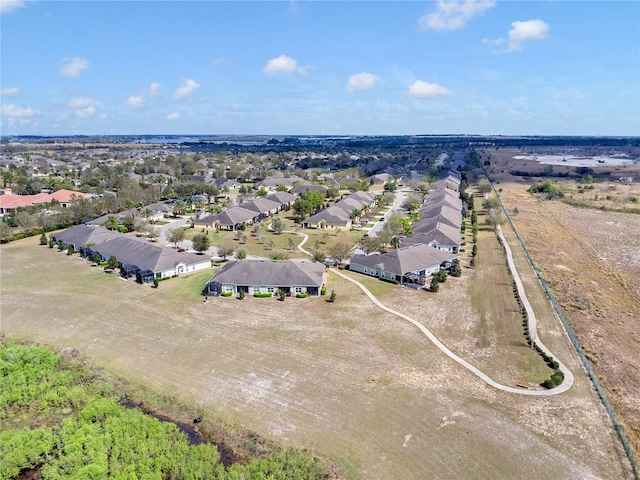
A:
[299,289]
[271,289]
[227,288]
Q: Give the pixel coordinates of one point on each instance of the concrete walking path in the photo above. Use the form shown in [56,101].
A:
[568,376]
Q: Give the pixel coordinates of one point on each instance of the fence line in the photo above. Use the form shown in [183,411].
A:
[576,344]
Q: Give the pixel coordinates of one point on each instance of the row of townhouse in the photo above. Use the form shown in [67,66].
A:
[264,277]
[237,218]
[136,257]
[433,246]
[339,215]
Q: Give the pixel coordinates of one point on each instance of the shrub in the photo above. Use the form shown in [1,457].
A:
[323,290]
[262,295]
[281,295]
[241,295]
[302,295]
[390,280]
[332,297]
[43,239]
[156,283]
[435,284]
[226,294]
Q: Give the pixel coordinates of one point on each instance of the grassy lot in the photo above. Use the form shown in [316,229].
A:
[258,244]
[344,379]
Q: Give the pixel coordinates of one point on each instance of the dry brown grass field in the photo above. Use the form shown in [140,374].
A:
[346,380]
[591,259]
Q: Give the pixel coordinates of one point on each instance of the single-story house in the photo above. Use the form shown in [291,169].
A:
[82,236]
[443,197]
[441,236]
[133,254]
[285,199]
[233,218]
[9,201]
[263,207]
[332,217]
[267,276]
[163,262]
[408,265]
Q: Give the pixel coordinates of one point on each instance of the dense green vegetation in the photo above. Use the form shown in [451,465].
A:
[62,419]
[547,188]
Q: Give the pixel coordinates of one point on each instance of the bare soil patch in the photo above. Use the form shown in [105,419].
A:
[346,380]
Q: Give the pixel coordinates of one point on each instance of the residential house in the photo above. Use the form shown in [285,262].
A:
[303,188]
[409,265]
[332,217]
[10,202]
[263,207]
[267,276]
[285,199]
[441,236]
[133,254]
[234,218]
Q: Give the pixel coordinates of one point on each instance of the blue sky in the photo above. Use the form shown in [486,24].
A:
[320,67]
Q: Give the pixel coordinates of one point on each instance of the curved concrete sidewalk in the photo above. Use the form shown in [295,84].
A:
[568,381]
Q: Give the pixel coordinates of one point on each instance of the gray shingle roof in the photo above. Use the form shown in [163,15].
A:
[412,258]
[441,234]
[84,234]
[271,273]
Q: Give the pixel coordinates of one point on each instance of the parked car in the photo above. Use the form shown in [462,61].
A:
[382,219]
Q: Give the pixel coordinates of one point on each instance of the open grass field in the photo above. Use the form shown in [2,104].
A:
[346,380]
[590,257]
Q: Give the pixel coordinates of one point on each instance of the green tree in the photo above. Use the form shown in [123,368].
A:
[262,192]
[277,225]
[332,297]
[370,245]
[201,242]
[43,239]
[456,271]
[112,263]
[97,259]
[474,251]
[318,256]
[241,254]
[484,186]
[435,284]
[332,192]
[111,223]
[225,250]
[70,250]
[175,236]
[395,242]
[340,251]
[314,197]
[292,244]
[51,242]
[302,208]
[281,295]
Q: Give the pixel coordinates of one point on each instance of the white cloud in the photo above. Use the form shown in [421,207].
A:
[284,64]
[361,81]
[188,86]
[173,116]
[83,107]
[454,14]
[10,6]
[424,90]
[14,111]
[73,67]
[522,32]
[136,102]
[10,92]
[153,89]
